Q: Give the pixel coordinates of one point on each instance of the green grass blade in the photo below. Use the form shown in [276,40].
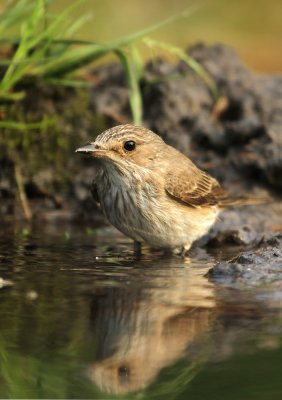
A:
[35,47]
[76,58]
[135,98]
[14,73]
[76,25]
[70,83]
[137,61]
[14,14]
[196,67]
[48,34]
[31,40]
[69,61]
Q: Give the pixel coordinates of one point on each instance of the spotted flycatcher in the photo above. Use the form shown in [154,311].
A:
[150,191]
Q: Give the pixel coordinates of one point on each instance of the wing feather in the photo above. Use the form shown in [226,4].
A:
[194,187]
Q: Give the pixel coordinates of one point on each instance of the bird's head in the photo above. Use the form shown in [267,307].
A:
[125,146]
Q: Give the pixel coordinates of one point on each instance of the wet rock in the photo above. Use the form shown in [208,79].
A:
[246,225]
[256,267]
[243,235]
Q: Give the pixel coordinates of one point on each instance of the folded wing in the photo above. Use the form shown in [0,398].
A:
[194,187]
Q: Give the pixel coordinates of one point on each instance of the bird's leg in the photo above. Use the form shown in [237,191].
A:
[185,250]
[137,249]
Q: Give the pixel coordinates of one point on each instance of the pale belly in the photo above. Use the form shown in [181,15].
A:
[160,222]
[168,233]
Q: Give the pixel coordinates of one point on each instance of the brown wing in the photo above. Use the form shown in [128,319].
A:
[194,187]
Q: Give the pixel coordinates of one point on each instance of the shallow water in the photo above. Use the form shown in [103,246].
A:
[81,318]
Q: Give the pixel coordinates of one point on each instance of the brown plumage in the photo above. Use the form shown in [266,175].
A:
[194,187]
[150,191]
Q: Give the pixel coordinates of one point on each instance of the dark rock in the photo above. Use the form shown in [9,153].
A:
[243,235]
[109,97]
[256,267]
[244,135]
[246,225]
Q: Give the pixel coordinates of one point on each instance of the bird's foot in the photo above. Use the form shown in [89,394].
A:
[185,250]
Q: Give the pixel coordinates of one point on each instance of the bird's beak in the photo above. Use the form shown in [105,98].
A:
[91,150]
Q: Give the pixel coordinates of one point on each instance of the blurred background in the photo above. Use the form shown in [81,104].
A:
[253,27]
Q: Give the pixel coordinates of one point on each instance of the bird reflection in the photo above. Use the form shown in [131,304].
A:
[148,324]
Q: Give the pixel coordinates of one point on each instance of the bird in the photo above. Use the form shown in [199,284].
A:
[152,192]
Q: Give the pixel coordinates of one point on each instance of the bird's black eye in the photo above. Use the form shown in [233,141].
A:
[129,146]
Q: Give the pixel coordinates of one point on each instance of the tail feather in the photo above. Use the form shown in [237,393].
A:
[231,201]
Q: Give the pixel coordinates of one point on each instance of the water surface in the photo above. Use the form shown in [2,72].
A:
[82,318]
